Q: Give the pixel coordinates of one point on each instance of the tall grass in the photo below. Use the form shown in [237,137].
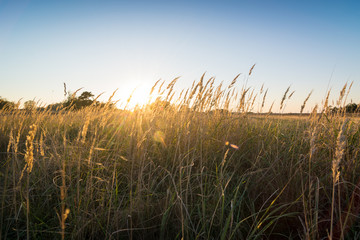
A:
[200,167]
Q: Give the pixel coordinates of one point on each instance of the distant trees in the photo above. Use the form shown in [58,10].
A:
[349,108]
[6,105]
[352,108]
[72,102]
[30,105]
[161,105]
[84,100]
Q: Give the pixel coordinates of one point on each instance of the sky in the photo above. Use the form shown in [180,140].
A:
[102,46]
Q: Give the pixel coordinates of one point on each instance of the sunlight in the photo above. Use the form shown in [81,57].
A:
[139,95]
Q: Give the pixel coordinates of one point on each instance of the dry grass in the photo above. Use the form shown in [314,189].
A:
[191,169]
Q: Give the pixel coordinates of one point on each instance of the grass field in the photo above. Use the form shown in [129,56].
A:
[184,170]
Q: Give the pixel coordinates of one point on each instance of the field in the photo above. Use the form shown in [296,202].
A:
[197,167]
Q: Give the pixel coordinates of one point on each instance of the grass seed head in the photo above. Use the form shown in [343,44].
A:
[339,153]
[304,103]
[284,97]
[29,155]
[251,69]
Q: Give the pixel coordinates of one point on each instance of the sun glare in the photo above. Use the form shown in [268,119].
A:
[136,95]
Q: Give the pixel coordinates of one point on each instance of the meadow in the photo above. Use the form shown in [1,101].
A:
[200,166]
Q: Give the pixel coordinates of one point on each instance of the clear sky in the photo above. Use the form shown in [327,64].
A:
[105,45]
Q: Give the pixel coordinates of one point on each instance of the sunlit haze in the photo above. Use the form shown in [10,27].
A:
[128,45]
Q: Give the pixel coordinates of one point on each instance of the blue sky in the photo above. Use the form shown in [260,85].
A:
[105,45]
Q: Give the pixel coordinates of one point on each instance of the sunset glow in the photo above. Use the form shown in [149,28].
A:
[102,46]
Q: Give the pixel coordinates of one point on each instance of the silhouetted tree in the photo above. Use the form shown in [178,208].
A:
[75,103]
[30,105]
[80,102]
[86,96]
[349,108]
[352,108]
[6,105]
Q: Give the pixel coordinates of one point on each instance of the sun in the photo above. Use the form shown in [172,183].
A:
[135,95]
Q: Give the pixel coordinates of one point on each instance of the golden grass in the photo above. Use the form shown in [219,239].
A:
[190,168]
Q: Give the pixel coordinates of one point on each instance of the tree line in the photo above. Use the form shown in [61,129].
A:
[86,99]
[349,108]
[72,102]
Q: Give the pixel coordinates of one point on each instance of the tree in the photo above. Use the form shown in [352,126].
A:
[30,105]
[84,100]
[352,108]
[349,108]
[6,105]
[86,96]
[55,106]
